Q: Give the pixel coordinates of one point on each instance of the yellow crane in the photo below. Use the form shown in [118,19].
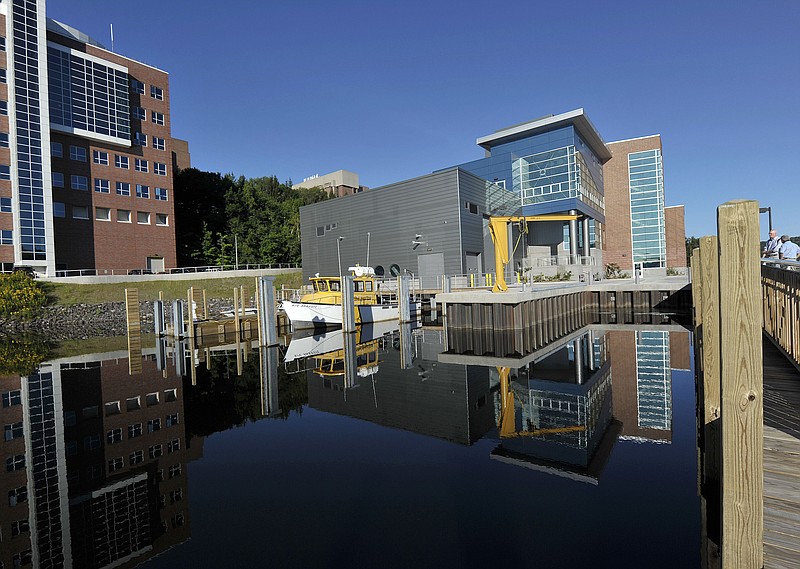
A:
[506,425]
[498,229]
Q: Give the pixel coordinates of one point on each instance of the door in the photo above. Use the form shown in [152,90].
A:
[155,264]
[474,263]
[431,269]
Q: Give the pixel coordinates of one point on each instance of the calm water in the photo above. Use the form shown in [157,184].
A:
[383,449]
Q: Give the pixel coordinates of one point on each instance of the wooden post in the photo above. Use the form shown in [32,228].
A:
[710,320]
[134,321]
[742,386]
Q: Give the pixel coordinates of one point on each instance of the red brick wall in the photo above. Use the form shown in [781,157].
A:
[111,244]
[676,236]
[617,245]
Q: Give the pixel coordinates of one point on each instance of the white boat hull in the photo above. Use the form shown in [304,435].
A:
[311,315]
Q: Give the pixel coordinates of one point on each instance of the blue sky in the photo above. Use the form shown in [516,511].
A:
[394,90]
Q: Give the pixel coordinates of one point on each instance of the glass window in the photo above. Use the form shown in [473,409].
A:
[142,191]
[5,172]
[123,189]
[80,212]
[2,75]
[114,436]
[58,180]
[13,431]
[143,217]
[100,157]
[136,457]
[172,420]
[112,408]
[102,186]
[6,237]
[4,139]
[102,214]
[134,430]
[157,118]
[16,462]
[59,210]
[161,194]
[160,169]
[79,182]
[141,165]
[5,205]
[11,398]
[156,92]
[159,143]
[153,425]
[77,153]
[394,270]
[151,399]
[18,496]
[56,150]
[137,113]
[121,161]
[137,86]
[116,464]
[162,219]
[124,215]
[155,451]
[140,139]
[3,107]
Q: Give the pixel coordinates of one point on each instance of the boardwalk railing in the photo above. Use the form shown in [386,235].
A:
[728,318]
[780,286]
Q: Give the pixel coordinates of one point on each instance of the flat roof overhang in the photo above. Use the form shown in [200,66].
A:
[577,118]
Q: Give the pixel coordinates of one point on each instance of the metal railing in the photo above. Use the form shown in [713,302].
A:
[175,270]
[560,260]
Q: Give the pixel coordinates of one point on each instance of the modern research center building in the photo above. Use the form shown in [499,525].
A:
[438,224]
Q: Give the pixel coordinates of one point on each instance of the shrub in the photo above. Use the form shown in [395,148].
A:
[673,272]
[20,296]
[614,272]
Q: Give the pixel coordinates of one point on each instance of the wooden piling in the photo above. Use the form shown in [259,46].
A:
[741,392]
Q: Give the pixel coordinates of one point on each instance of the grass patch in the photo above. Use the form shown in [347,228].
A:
[70,293]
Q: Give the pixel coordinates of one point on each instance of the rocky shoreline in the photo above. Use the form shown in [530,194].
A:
[81,321]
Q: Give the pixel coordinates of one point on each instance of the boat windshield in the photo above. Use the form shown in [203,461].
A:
[363,286]
[325,285]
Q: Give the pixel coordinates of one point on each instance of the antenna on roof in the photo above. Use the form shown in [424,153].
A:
[112,37]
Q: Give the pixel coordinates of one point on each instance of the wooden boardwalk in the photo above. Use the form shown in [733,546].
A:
[781,460]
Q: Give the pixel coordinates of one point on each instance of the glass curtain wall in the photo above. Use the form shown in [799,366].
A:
[646,179]
[653,380]
[553,175]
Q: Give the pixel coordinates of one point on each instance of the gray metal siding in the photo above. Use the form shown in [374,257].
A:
[393,215]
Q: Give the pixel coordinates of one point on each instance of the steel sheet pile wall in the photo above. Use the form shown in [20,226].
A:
[514,329]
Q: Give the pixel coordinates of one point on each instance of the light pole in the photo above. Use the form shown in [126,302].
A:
[339,256]
[768,211]
[368,248]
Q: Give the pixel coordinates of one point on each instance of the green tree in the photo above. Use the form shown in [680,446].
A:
[691,244]
[262,214]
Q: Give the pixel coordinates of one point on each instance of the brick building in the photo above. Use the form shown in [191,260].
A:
[640,229]
[85,151]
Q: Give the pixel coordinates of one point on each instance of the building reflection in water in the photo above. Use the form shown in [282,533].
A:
[560,409]
[95,463]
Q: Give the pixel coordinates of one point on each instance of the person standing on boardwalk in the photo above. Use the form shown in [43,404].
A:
[789,250]
[773,245]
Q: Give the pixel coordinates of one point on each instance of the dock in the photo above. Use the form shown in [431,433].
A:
[781,460]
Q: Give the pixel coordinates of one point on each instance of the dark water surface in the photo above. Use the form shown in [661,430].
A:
[409,459]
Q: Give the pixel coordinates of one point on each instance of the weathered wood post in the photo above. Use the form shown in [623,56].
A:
[404,298]
[710,322]
[741,367]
